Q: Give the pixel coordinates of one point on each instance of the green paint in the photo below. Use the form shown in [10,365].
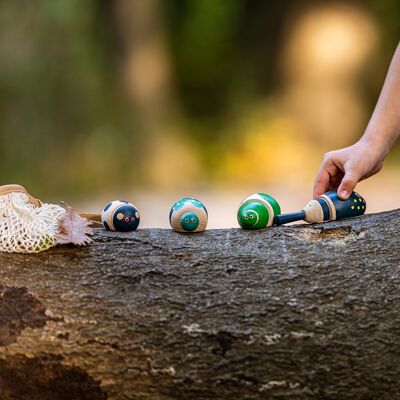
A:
[274,204]
[190,221]
[253,215]
[179,204]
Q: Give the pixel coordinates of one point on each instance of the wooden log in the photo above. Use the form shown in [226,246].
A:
[291,312]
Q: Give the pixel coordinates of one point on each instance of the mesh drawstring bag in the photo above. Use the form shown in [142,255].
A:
[26,224]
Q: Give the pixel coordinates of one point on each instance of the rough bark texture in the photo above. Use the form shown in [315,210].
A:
[299,312]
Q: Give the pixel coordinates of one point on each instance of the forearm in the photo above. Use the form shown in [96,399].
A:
[384,126]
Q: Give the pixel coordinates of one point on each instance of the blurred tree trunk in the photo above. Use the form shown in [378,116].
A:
[148,80]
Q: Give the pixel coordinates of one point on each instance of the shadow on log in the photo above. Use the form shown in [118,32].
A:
[295,312]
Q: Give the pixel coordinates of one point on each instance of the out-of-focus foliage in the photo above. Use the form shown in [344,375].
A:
[203,92]
[64,124]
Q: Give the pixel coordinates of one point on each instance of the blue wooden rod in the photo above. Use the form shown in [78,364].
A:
[281,219]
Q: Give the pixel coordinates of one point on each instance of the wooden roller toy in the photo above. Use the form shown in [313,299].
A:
[188,215]
[329,207]
[257,211]
[120,215]
[261,210]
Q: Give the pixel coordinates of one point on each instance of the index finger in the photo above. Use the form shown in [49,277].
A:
[322,180]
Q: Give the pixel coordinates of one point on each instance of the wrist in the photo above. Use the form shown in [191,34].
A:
[376,142]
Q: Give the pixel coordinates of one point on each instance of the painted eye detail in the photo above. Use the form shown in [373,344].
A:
[246,217]
[132,219]
[187,220]
[126,219]
[258,207]
[193,219]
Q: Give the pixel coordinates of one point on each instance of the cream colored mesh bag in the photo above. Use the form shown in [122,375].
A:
[26,224]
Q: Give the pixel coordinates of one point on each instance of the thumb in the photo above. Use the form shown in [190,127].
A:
[348,184]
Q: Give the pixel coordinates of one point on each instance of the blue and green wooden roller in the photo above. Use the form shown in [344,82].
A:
[261,210]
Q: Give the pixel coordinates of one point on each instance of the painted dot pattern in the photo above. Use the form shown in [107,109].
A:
[120,215]
[354,206]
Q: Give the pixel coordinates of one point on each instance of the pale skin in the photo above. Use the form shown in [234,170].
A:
[344,168]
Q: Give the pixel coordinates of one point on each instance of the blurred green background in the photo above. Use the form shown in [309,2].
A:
[154,99]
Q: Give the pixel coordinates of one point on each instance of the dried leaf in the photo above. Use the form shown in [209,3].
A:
[74,229]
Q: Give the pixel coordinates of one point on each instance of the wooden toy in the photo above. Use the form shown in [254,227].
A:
[328,207]
[257,211]
[188,215]
[120,216]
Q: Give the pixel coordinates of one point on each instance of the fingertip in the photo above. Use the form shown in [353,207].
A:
[345,188]
[343,194]
[316,195]
[347,185]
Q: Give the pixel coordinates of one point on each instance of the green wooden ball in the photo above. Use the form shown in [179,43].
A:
[257,211]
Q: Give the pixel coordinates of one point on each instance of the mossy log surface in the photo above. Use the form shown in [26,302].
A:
[291,312]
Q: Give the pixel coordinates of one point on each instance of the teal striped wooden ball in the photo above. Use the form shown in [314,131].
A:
[188,215]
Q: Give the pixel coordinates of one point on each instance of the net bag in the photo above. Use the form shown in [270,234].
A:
[26,224]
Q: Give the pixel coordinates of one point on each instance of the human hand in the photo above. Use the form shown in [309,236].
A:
[344,168]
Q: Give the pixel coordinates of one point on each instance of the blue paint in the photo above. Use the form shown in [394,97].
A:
[325,209]
[354,206]
[107,206]
[129,221]
[106,226]
[281,219]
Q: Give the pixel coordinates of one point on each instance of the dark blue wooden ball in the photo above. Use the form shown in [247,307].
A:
[120,216]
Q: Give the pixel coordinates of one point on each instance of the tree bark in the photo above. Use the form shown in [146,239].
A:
[291,312]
